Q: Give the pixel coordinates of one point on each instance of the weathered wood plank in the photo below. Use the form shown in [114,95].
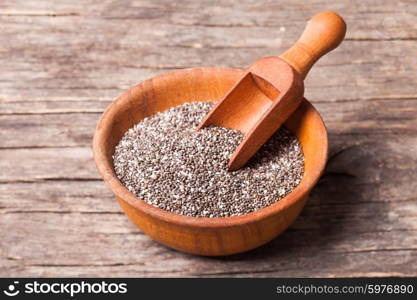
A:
[51,107]
[65,196]
[386,263]
[47,164]
[58,130]
[373,19]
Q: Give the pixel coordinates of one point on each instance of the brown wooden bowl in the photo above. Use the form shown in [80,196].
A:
[204,236]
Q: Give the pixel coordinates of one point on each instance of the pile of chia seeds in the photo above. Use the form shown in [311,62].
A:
[168,164]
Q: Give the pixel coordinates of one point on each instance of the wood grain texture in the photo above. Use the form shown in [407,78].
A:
[64,61]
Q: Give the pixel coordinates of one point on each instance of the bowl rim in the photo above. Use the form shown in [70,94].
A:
[105,169]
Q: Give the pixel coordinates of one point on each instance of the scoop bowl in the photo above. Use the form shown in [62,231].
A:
[204,236]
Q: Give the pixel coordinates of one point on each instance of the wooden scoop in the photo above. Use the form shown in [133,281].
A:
[271,89]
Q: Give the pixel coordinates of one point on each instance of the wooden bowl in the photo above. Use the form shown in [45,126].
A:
[204,236]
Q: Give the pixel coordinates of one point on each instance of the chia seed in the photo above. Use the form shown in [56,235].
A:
[165,162]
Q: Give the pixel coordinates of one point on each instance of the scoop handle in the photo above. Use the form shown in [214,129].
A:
[323,33]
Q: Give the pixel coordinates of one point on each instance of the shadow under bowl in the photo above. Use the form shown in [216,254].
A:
[204,236]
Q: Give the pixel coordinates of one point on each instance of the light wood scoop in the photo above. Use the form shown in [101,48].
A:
[272,88]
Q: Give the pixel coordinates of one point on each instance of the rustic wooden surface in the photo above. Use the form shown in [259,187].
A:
[62,62]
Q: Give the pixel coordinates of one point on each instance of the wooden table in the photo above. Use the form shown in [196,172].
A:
[62,63]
